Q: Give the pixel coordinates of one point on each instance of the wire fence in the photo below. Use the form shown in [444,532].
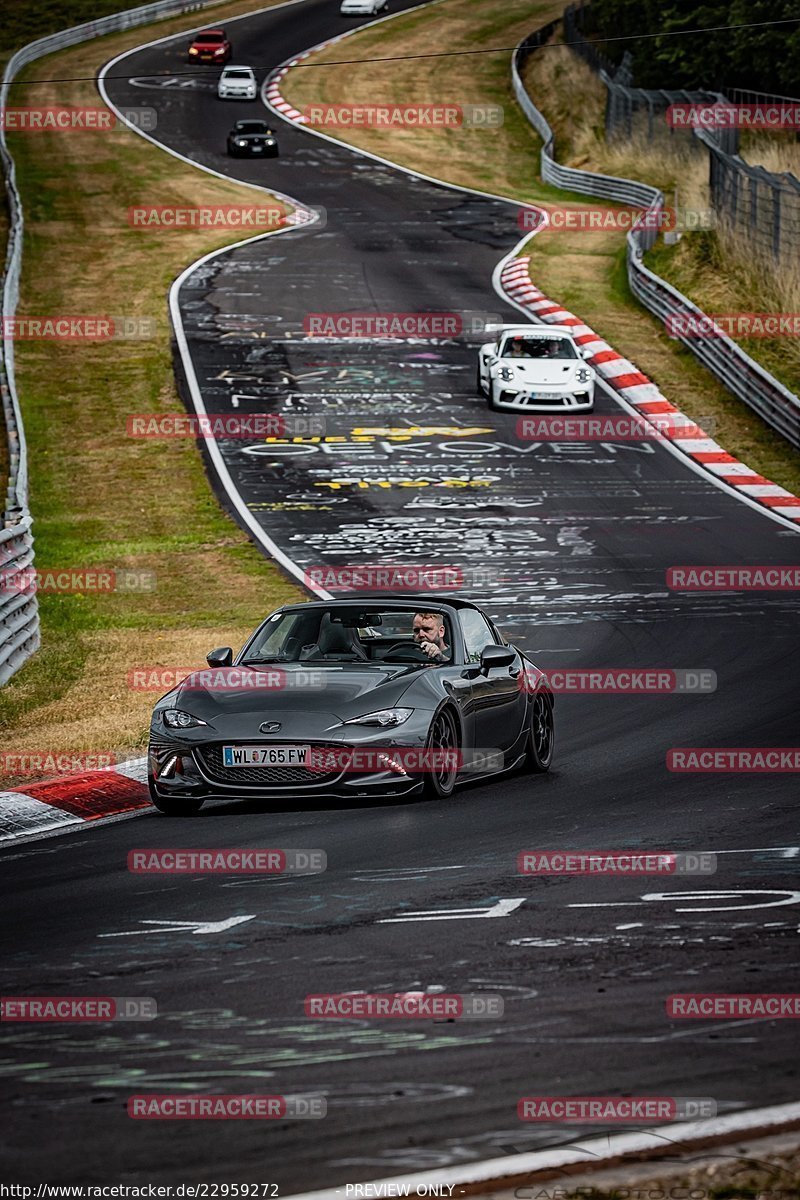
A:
[760,206]
[19,611]
[744,377]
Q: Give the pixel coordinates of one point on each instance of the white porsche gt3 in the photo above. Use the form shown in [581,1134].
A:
[535,368]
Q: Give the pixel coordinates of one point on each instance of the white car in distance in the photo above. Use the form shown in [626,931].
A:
[535,368]
[362,8]
[237,83]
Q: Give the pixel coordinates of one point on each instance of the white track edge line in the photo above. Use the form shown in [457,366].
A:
[593,1152]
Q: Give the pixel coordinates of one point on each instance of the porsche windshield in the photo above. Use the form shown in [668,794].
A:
[361,634]
[515,346]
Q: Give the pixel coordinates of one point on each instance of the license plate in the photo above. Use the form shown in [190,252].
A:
[264,756]
[256,149]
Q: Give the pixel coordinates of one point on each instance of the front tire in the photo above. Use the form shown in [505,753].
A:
[174,806]
[439,783]
[541,735]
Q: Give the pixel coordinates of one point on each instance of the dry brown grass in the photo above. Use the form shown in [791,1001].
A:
[573,99]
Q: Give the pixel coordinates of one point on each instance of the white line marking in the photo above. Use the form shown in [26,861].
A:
[791,898]
[183,927]
[501,909]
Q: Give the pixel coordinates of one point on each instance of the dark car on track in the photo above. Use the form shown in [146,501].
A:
[252,138]
[210,46]
[341,698]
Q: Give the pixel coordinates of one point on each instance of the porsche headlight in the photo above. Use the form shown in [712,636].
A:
[506,373]
[583,375]
[387,718]
[175,718]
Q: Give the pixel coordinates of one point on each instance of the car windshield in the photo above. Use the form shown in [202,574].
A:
[211,37]
[361,634]
[517,346]
[252,127]
[238,73]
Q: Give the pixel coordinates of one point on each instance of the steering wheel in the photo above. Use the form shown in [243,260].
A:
[406,652]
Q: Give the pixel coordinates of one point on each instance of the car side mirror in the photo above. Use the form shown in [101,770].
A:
[585,352]
[222,657]
[496,656]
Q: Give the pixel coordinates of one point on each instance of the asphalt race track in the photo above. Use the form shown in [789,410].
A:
[579,538]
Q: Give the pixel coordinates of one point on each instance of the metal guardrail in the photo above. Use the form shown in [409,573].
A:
[735,369]
[762,206]
[19,610]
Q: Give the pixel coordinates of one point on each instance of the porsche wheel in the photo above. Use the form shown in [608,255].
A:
[439,779]
[541,735]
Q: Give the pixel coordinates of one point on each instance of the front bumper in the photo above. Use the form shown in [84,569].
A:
[201,776]
[543,401]
[230,94]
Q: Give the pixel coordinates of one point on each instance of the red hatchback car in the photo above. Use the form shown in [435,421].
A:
[212,46]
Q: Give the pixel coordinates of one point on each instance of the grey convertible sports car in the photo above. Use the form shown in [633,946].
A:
[362,697]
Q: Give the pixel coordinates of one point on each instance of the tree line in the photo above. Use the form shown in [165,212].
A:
[762,59]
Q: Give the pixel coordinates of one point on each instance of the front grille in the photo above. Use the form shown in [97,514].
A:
[211,760]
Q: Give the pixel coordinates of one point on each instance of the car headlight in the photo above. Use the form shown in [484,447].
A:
[583,375]
[269,141]
[385,717]
[193,50]
[241,142]
[506,373]
[220,50]
[175,718]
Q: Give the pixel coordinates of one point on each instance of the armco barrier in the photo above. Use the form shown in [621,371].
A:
[19,611]
[744,377]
